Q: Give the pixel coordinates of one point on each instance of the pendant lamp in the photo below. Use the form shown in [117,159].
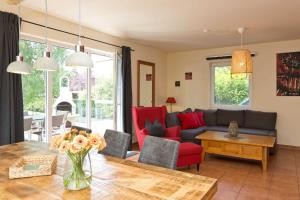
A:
[79,58]
[46,63]
[19,66]
[241,63]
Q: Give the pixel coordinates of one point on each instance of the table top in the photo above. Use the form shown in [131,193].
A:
[255,140]
[113,178]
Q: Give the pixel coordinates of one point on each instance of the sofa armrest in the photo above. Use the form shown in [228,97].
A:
[173,131]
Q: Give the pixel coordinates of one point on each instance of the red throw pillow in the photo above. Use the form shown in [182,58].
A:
[189,120]
[201,118]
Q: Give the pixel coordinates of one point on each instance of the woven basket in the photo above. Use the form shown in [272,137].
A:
[42,165]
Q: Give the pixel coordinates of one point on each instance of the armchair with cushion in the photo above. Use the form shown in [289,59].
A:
[141,114]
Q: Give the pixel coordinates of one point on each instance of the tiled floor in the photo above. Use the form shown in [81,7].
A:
[242,179]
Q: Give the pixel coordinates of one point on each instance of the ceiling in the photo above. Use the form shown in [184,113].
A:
[177,25]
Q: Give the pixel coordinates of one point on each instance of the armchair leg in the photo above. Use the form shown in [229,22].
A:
[198,167]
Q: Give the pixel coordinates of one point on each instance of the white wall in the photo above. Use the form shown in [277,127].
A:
[196,93]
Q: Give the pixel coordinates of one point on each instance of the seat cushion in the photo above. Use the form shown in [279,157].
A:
[172,119]
[224,117]
[217,128]
[187,148]
[256,131]
[260,120]
[190,134]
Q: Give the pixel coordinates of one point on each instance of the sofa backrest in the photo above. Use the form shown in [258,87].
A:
[245,118]
[224,117]
[260,120]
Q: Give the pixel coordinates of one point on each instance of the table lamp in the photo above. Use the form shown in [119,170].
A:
[171,100]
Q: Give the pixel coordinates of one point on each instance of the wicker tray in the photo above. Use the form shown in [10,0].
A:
[33,165]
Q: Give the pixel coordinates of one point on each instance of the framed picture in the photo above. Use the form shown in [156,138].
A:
[148,77]
[177,83]
[188,75]
[288,74]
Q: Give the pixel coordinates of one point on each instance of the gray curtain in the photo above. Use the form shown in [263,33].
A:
[11,99]
[127,91]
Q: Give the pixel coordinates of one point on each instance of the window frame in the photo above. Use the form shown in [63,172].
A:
[213,105]
[49,80]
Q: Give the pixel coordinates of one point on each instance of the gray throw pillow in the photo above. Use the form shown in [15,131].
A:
[172,120]
[156,129]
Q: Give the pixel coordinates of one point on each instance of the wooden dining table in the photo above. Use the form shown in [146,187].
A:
[113,178]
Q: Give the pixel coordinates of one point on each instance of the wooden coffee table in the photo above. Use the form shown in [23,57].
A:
[244,146]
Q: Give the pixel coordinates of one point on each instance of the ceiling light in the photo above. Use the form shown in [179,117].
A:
[241,63]
[46,63]
[79,58]
[19,66]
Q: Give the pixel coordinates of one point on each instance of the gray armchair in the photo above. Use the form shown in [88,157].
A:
[160,152]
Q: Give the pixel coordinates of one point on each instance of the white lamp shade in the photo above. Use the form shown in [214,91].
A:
[79,59]
[46,64]
[19,67]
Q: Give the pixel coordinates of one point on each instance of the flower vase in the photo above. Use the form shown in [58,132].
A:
[78,171]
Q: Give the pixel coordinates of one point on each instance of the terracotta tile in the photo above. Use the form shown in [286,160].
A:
[233,186]
[247,196]
[225,194]
[284,194]
[285,179]
[255,191]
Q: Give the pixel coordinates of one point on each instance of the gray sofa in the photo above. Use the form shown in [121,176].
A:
[249,121]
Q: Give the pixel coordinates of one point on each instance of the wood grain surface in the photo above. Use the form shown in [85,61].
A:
[112,179]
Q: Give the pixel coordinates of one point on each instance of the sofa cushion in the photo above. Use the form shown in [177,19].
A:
[156,129]
[188,148]
[188,110]
[217,128]
[256,131]
[190,134]
[260,120]
[224,117]
[210,116]
[172,119]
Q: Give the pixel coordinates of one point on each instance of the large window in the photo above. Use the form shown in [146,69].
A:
[227,91]
[69,91]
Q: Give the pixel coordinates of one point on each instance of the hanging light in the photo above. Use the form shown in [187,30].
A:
[79,58]
[19,66]
[241,63]
[46,63]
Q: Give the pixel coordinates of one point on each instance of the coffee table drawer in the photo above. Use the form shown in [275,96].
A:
[231,149]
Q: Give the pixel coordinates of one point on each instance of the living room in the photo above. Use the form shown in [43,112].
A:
[155,66]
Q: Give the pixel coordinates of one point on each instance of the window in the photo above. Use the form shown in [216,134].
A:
[74,90]
[227,91]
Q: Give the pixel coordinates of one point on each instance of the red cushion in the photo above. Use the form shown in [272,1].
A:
[201,118]
[190,120]
[188,148]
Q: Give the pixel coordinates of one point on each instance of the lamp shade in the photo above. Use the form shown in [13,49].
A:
[79,59]
[46,64]
[19,67]
[170,100]
[241,62]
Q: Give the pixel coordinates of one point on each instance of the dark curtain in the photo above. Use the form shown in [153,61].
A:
[11,99]
[127,90]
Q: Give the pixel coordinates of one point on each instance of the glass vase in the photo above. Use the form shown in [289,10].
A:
[78,172]
[233,129]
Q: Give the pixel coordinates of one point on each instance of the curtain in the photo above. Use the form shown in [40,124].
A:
[11,99]
[127,90]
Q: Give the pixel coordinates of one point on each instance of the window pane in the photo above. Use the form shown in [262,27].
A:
[69,89]
[102,92]
[228,90]
[33,86]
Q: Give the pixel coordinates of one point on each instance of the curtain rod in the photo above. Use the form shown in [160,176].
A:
[224,57]
[69,33]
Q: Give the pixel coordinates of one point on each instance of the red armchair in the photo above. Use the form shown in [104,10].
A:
[141,114]
[189,153]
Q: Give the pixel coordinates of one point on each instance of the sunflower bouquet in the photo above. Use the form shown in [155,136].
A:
[77,144]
